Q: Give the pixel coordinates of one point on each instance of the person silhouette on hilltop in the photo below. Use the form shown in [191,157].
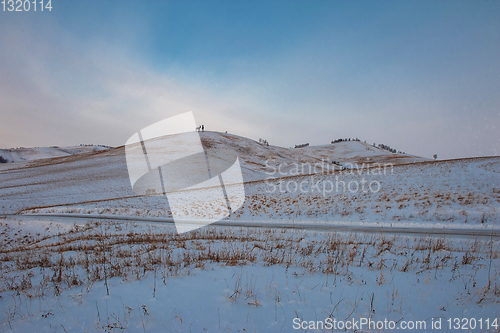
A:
[203,128]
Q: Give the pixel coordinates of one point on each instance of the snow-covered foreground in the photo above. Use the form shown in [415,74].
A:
[135,277]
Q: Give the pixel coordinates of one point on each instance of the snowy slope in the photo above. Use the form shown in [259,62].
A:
[259,158]
[457,191]
[32,154]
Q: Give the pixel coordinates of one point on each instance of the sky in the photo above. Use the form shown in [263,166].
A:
[420,76]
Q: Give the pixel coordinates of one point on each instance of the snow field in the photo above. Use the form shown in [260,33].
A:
[135,277]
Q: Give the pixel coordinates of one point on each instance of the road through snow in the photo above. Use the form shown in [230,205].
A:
[328,226]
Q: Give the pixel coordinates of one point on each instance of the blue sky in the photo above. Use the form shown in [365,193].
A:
[423,77]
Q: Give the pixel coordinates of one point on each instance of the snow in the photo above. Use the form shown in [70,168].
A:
[38,153]
[56,271]
[430,193]
[257,292]
[30,154]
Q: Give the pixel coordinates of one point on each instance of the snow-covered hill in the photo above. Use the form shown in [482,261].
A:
[280,184]
[258,158]
[38,153]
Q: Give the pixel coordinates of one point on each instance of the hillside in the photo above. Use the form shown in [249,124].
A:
[255,155]
[31,154]
[463,191]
